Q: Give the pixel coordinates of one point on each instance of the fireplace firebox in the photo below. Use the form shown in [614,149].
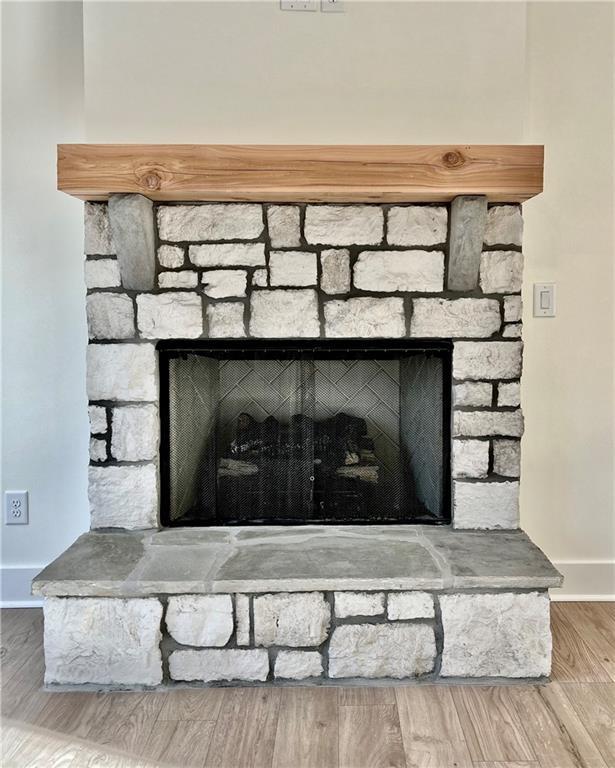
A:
[295,433]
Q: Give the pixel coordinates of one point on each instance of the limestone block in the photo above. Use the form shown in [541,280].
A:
[200,619]
[98,419]
[229,664]
[501,271]
[298,665]
[444,318]
[410,605]
[171,256]
[172,315]
[259,278]
[102,273]
[504,225]
[365,317]
[132,225]
[242,618]
[487,423]
[184,279]
[335,270]
[97,231]
[344,224]
[110,316]
[417,225]
[225,320]
[507,458]
[421,271]
[221,283]
[228,255]
[122,372]
[478,393]
[470,458]
[233,221]
[104,641]
[509,393]
[487,359]
[381,650]
[468,220]
[284,226]
[513,309]
[284,313]
[123,496]
[359,604]
[512,331]
[293,268]
[98,449]
[496,635]
[295,620]
[486,505]
[135,431]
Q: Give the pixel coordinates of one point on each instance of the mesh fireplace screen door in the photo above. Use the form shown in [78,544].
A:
[423,433]
[282,436]
[193,403]
[265,441]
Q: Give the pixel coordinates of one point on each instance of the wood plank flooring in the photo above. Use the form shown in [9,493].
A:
[569,723]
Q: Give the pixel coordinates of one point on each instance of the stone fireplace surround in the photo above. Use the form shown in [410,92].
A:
[129,605]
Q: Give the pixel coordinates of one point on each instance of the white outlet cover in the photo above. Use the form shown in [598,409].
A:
[16,507]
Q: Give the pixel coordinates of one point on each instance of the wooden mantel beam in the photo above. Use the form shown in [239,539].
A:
[304,173]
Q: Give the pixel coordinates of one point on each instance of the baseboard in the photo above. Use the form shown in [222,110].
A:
[584,580]
[15,585]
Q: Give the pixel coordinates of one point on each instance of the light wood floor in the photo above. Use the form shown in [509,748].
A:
[569,723]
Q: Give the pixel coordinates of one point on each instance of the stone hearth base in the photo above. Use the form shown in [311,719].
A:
[315,604]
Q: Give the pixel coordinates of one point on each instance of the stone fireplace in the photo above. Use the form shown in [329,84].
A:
[305,447]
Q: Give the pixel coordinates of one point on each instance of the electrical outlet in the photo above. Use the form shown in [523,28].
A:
[332,6]
[16,508]
[299,5]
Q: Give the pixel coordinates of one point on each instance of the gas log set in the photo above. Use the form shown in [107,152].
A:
[329,464]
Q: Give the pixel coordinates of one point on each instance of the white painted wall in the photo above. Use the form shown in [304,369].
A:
[246,72]
[381,72]
[568,388]
[44,419]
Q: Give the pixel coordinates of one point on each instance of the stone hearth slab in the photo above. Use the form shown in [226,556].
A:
[295,559]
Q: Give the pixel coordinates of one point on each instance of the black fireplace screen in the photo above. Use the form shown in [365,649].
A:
[272,433]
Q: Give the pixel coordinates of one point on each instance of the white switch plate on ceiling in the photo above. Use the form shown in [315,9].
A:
[299,5]
[544,299]
[332,6]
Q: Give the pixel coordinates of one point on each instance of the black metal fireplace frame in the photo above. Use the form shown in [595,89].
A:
[281,348]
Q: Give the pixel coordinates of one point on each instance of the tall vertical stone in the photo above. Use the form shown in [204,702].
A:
[468,221]
[132,226]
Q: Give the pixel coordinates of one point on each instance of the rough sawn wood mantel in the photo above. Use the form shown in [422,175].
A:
[301,173]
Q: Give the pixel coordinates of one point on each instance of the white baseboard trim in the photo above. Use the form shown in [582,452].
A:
[555,598]
[584,580]
[15,584]
[21,603]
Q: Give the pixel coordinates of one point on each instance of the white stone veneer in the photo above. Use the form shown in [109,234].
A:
[103,640]
[235,270]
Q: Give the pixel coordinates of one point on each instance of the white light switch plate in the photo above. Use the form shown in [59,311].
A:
[544,299]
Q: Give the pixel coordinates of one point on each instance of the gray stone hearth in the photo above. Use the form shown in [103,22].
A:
[359,602]
[134,604]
